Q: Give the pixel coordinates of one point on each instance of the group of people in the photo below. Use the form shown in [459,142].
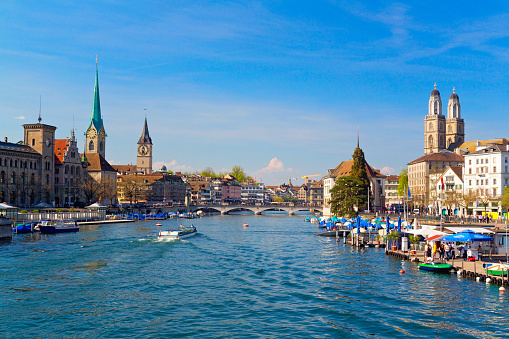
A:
[445,251]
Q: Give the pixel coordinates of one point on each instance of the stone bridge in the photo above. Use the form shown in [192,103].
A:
[257,209]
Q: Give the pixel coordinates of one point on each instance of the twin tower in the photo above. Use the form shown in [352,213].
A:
[441,133]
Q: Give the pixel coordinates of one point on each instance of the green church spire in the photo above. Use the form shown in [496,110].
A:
[96,119]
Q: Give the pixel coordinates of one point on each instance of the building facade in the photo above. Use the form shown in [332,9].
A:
[440,132]
[391,190]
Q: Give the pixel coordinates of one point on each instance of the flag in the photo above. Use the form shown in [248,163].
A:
[409,195]
[442,181]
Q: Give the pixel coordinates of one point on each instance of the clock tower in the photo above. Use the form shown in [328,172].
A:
[95,134]
[144,158]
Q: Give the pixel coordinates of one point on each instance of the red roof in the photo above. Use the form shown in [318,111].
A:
[60,149]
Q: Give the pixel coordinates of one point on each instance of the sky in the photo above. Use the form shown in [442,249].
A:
[277,87]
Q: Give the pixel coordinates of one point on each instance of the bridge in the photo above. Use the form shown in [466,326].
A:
[257,209]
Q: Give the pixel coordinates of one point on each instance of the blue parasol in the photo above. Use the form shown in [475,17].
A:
[388,225]
[399,223]
[467,235]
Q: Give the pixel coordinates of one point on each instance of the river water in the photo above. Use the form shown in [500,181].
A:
[272,279]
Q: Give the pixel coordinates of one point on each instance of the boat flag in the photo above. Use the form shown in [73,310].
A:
[442,181]
[409,195]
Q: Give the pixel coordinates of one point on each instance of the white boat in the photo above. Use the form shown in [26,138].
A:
[181,233]
[57,226]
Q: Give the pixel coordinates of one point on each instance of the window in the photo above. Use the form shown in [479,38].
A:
[13,178]
[494,160]
[494,169]
[482,161]
[477,161]
[494,181]
[470,183]
[91,145]
[505,160]
[470,162]
[477,182]
[470,171]
[505,169]
[57,171]
[2,177]
[33,142]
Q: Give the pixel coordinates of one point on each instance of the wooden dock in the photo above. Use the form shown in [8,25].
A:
[471,269]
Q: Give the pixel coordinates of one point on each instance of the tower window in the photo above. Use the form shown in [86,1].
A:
[91,145]
[33,142]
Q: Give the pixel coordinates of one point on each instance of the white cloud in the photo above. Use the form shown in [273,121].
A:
[21,117]
[173,165]
[275,165]
[387,170]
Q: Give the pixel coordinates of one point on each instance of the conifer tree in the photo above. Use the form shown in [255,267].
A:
[359,173]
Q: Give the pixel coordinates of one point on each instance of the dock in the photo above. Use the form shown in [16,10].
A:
[107,221]
[471,269]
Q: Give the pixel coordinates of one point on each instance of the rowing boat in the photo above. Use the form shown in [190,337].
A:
[439,268]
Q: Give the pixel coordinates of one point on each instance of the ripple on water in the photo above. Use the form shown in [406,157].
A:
[272,279]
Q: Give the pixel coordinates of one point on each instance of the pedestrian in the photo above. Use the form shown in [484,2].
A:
[427,253]
[441,252]
[479,252]
[434,250]
[448,251]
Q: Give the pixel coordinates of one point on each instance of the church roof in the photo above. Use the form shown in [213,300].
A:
[96,118]
[125,169]
[345,169]
[145,136]
[96,163]
[444,156]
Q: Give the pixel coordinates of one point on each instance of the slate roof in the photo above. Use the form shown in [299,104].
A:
[444,156]
[9,146]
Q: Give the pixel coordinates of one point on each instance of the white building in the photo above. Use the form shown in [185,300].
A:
[487,174]
[448,190]
[252,194]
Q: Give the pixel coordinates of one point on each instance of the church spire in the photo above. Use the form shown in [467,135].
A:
[96,119]
[145,136]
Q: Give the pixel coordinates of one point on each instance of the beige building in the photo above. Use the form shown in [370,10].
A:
[316,193]
[420,169]
[391,190]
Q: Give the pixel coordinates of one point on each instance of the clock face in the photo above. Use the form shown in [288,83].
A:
[91,133]
[47,142]
[143,150]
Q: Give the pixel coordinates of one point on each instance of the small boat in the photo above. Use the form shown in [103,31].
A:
[498,269]
[308,219]
[57,226]
[158,224]
[181,233]
[24,228]
[245,225]
[439,268]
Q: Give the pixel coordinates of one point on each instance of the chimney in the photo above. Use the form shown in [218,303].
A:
[5,139]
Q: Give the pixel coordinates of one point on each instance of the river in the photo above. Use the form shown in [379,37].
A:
[271,279]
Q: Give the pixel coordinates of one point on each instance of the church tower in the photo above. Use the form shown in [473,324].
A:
[144,159]
[434,125]
[454,124]
[95,134]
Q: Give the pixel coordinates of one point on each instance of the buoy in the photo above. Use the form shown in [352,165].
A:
[488,280]
[401,271]
[502,289]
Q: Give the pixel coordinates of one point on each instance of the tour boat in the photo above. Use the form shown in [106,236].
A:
[440,268]
[498,269]
[57,226]
[181,233]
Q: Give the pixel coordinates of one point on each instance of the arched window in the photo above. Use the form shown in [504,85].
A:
[35,165]
[15,163]
[78,171]
[430,127]
[441,141]
[436,107]
[33,142]
[430,141]
[66,169]
[10,163]
[91,145]
[31,165]
[455,111]
[72,170]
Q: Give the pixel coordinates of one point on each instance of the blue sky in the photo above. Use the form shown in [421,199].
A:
[278,87]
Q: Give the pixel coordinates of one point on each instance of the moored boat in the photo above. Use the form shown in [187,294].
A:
[498,269]
[57,226]
[24,228]
[181,233]
[440,268]
[245,225]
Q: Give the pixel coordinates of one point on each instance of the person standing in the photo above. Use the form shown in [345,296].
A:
[448,251]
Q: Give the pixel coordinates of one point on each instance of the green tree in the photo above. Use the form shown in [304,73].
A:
[275,198]
[505,199]
[359,173]
[346,195]
[208,173]
[238,173]
[403,182]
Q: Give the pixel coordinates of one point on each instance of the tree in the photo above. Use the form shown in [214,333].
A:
[484,198]
[238,173]
[359,173]
[346,195]
[89,188]
[467,199]
[505,199]
[208,173]
[275,198]
[403,182]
